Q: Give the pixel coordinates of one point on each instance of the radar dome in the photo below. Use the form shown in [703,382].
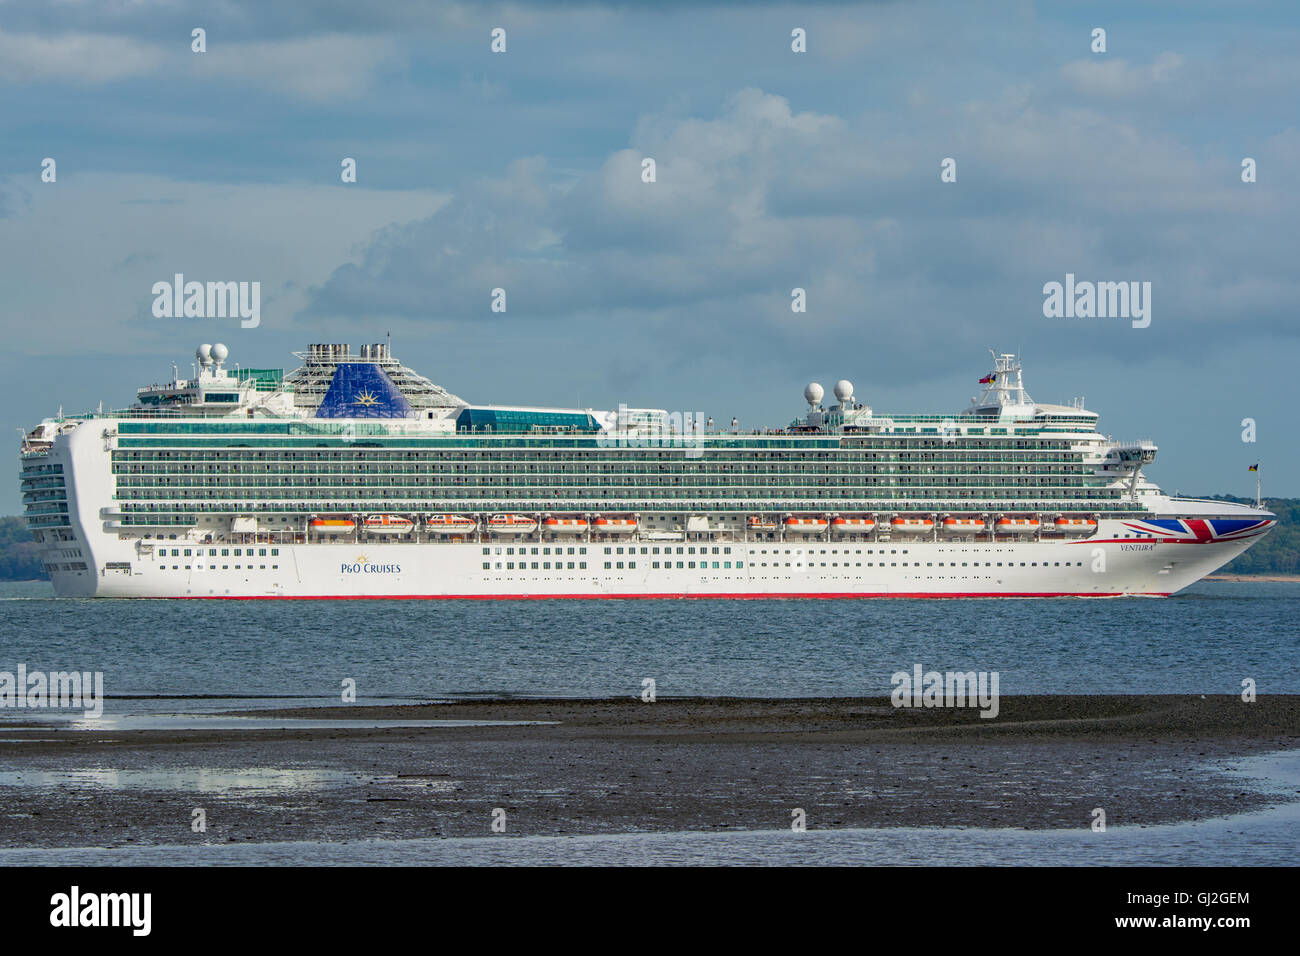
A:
[844,390]
[813,393]
[219,353]
[204,354]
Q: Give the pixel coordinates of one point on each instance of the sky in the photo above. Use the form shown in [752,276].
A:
[775,170]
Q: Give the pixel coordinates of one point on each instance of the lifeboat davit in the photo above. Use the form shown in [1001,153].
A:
[566,525]
[388,524]
[962,525]
[911,525]
[511,524]
[1076,525]
[614,525]
[842,525]
[450,524]
[806,525]
[756,523]
[1017,525]
[332,525]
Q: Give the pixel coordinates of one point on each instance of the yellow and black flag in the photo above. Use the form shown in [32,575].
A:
[1254,467]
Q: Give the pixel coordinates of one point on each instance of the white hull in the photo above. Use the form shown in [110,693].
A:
[898,568]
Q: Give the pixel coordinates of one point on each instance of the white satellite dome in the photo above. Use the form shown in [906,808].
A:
[204,354]
[813,393]
[219,353]
[844,390]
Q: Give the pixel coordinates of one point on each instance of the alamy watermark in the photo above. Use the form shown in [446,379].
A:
[53,690]
[212,300]
[128,910]
[1098,300]
[652,428]
[922,688]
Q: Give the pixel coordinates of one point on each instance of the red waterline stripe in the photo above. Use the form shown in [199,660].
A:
[738,596]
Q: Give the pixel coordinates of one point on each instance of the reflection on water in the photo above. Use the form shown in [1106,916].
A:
[249,781]
[110,722]
[201,779]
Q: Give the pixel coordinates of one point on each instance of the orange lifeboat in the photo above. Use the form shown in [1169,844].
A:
[388,524]
[511,524]
[756,523]
[332,525]
[911,525]
[805,525]
[841,525]
[614,525]
[962,525]
[450,524]
[1017,525]
[566,525]
[1076,525]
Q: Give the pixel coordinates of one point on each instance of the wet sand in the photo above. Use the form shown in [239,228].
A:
[611,766]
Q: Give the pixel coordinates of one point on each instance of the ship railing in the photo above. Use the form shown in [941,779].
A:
[188,412]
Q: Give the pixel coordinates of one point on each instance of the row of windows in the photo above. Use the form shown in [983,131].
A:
[343,440]
[595,497]
[235,459]
[213,567]
[296,486]
[54,494]
[35,472]
[727,565]
[544,550]
[212,552]
[609,565]
[169,463]
[668,550]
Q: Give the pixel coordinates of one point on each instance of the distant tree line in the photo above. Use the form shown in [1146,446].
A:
[18,557]
[1278,553]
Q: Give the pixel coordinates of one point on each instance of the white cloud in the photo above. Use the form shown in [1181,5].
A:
[74,58]
[1114,77]
[763,197]
[316,68]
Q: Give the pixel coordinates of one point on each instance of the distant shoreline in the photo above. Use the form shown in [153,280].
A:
[1251,577]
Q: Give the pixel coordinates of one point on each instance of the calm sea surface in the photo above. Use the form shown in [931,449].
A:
[1205,640]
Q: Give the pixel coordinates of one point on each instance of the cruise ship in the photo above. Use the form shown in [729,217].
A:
[355,477]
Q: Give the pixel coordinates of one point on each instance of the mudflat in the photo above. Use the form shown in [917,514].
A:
[623,765]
